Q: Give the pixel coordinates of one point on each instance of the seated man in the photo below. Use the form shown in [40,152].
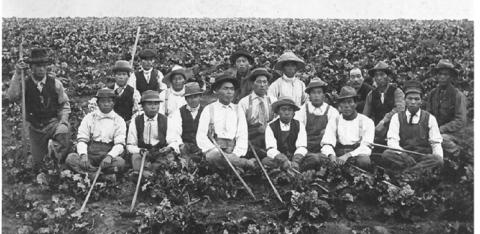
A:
[225,123]
[172,98]
[349,136]
[148,133]
[100,139]
[257,109]
[183,124]
[286,140]
[414,130]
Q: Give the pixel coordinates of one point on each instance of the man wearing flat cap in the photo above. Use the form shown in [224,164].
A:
[448,105]
[241,62]
[173,97]
[47,107]
[148,78]
[100,139]
[416,130]
[288,85]
[349,136]
[257,109]
[224,122]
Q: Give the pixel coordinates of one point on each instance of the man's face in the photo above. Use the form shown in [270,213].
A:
[317,96]
[242,64]
[347,106]
[193,100]
[225,92]
[356,78]
[260,85]
[286,113]
[178,81]
[105,104]
[121,78]
[147,63]
[150,108]
[290,68]
[381,78]
[413,101]
[39,70]
[443,77]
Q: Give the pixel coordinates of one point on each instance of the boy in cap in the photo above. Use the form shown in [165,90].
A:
[172,98]
[288,85]
[147,133]
[148,78]
[47,106]
[415,130]
[100,138]
[257,109]
[356,80]
[242,61]
[348,137]
[225,123]
[448,105]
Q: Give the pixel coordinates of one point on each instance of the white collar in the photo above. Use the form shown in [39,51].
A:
[230,105]
[145,117]
[254,95]
[117,86]
[409,113]
[288,79]
[191,109]
[312,107]
[101,115]
[285,124]
[179,93]
[148,71]
[42,81]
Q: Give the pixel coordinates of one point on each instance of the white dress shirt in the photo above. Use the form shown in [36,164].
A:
[348,132]
[271,141]
[132,81]
[434,136]
[106,128]
[171,101]
[301,115]
[175,129]
[244,103]
[229,122]
[289,87]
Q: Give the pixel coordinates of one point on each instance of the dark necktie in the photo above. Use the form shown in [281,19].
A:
[411,117]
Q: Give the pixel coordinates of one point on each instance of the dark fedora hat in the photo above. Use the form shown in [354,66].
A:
[380,66]
[224,77]
[122,65]
[347,92]
[315,83]
[39,56]
[240,53]
[150,96]
[147,54]
[446,65]
[284,101]
[105,93]
[192,88]
[412,86]
[259,72]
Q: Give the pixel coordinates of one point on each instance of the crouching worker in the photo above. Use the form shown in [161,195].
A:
[100,139]
[349,136]
[147,133]
[414,130]
[224,122]
[286,140]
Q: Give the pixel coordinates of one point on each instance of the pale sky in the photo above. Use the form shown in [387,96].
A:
[385,9]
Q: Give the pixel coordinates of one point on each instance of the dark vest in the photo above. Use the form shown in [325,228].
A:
[379,109]
[124,103]
[189,125]
[142,84]
[286,140]
[315,128]
[41,107]
[162,131]
[414,136]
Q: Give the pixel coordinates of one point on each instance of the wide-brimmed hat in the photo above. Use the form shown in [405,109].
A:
[122,65]
[147,54]
[289,56]
[259,72]
[150,96]
[240,53]
[412,86]
[105,93]
[39,56]
[445,64]
[284,101]
[180,71]
[192,88]
[315,83]
[347,92]
[380,66]
[224,77]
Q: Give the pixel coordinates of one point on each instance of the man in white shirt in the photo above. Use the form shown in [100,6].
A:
[100,139]
[414,130]
[288,85]
[173,97]
[183,124]
[257,109]
[148,133]
[224,122]
[349,136]
[148,78]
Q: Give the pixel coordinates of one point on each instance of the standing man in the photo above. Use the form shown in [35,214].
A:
[47,106]
[288,85]
[349,136]
[172,98]
[257,109]
[449,105]
[242,61]
[147,78]
[356,81]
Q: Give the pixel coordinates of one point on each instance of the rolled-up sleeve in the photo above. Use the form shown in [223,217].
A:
[174,131]
[270,143]
[301,143]
[393,134]
[202,139]
[83,134]
[119,137]
[329,139]
[241,145]
[435,137]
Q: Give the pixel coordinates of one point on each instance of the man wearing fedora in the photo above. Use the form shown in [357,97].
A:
[257,109]
[224,122]
[315,114]
[148,133]
[288,85]
[449,105]
[47,107]
[183,124]
[148,78]
[416,130]
[173,97]
[100,139]
[383,101]
[348,137]
[286,140]
[241,62]
[356,80]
